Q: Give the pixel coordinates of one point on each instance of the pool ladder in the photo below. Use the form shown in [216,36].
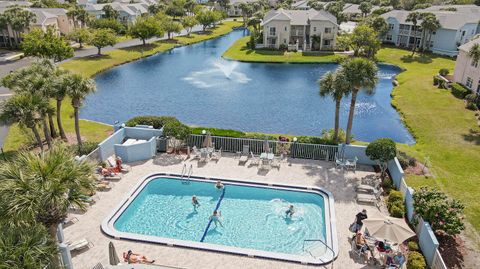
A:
[186,174]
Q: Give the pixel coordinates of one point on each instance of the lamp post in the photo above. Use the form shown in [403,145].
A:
[204,132]
[294,147]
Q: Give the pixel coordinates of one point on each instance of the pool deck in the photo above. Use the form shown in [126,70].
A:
[295,171]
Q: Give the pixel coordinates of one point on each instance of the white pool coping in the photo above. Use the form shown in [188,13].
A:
[330,222]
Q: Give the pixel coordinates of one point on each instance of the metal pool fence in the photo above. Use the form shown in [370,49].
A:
[292,149]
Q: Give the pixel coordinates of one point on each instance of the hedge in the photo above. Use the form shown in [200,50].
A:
[459,91]
[395,205]
[156,121]
[416,260]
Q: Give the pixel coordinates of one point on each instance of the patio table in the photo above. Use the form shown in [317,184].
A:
[268,156]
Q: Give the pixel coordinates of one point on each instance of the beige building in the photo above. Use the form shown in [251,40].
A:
[467,71]
[307,30]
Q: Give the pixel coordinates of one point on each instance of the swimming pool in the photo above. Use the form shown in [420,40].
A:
[159,210]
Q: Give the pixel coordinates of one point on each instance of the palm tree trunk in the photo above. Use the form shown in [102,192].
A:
[52,231]
[351,115]
[99,50]
[37,136]
[59,120]
[77,126]
[53,130]
[337,120]
[46,132]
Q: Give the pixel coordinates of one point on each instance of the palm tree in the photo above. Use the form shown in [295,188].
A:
[59,92]
[41,187]
[429,24]
[25,109]
[78,88]
[335,86]
[19,20]
[360,74]
[414,17]
[26,246]
[474,52]
[4,27]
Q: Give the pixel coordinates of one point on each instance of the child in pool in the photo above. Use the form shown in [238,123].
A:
[216,218]
[195,203]
[289,212]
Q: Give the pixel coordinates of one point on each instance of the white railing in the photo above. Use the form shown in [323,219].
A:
[438,262]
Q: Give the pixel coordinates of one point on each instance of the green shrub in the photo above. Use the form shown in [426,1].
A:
[387,184]
[471,106]
[472,97]
[459,90]
[112,24]
[413,246]
[416,260]
[176,129]
[395,196]
[283,47]
[397,211]
[219,132]
[395,205]
[443,72]
[442,84]
[85,149]
[156,121]
[435,80]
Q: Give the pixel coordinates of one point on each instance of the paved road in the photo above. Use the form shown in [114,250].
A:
[8,66]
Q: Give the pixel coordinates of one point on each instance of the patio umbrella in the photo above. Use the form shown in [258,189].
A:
[266,146]
[395,230]
[207,143]
[112,254]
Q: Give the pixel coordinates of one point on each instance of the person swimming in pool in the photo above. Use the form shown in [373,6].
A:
[195,203]
[219,185]
[290,211]
[216,218]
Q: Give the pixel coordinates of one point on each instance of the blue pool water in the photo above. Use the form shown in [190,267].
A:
[253,218]
[200,88]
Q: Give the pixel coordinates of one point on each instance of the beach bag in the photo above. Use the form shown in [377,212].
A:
[353,227]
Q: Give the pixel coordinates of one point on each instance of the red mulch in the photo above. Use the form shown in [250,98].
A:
[419,169]
[452,249]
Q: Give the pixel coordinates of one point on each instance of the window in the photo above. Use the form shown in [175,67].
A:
[328,30]
[314,29]
[284,41]
[326,42]
[463,33]
[469,82]
[389,37]
[285,28]
[474,63]
[272,30]
[390,26]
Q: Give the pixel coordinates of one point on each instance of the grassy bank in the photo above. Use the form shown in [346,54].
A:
[239,51]
[89,66]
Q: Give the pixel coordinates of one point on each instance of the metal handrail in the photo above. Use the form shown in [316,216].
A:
[184,170]
[318,240]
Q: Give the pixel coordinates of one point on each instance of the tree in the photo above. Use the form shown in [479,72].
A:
[378,24]
[189,6]
[474,52]
[188,23]
[109,12]
[223,4]
[111,24]
[365,8]
[25,246]
[77,89]
[145,28]
[46,45]
[4,27]
[40,188]
[364,41]
[335,86]
[414,17]
[80,35]
[336,9]
[19,19]
[59,93]
[382,151]
[176,8]
[247,11]
[170,26]
[429,24]
[102,38]
[205,18]
[361,74]
[77,13]
[316,4]
[25,109]
[443,214]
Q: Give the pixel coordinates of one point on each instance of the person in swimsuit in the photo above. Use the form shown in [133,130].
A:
[216,218]
[195,203]
[289,212]
[136,258]
[219,185]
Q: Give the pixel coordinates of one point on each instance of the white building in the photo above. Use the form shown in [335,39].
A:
[128,13]
[457,28]
[299,29]
[467,71]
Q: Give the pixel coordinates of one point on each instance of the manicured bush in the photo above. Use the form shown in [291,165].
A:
[397,211]
[443,72]
[382,150]
[395,196]
[413,246]
[459,91]
[219,132]
[471,106]
[156,121]
[435,80]
[387,184]
[416,260]
[395,204]
[472,97]
[283,47]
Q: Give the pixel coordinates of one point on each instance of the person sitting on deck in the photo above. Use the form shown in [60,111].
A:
[396,261]
[131,257]
[362,245]
[290,211]
[219,185]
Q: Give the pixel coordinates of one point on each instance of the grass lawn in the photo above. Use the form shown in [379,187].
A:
[239,51]
[446,132]
[89,66]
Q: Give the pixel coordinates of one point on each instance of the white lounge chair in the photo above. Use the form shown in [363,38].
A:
[69,221]
[254,160]
[351,164]
[339,163]
[196,153]
[243,158]
[368,188]
[370,198]
[276,162]
[216,155]
[79,245]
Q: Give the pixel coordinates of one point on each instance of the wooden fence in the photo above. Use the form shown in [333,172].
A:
[292,149]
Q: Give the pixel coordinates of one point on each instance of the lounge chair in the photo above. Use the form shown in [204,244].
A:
[196,153]
[244,154]
[368,188]
[104,186]
[216,155]
[98,266]
[276,162]
[69,221]
[370,198]
[79,245]
[264,164]
[254,160]
[113,164]
[339,162]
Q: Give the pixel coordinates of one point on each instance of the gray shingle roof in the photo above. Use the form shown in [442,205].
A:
[298,17]
[467,46]
[448,19]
